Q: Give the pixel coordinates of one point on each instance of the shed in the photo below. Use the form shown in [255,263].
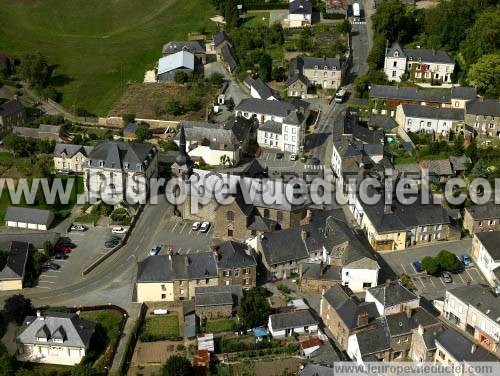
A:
[34,219]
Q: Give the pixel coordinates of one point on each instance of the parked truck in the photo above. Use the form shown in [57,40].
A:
[356,12]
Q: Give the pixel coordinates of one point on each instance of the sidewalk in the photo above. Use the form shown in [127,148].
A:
[122,349]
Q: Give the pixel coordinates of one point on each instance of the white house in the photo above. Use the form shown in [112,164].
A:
[264,110]
[415,118]
[71,158]
[420,64]
[259,89]
[290,323]
[119,170]
[299,13]
[54,338]
[285,136]
[486,255]
[391,298]
[30,218]
[475,309]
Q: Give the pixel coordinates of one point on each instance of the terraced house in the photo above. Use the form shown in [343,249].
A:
[483,115]
[71,158]
[12,114]
[418,64]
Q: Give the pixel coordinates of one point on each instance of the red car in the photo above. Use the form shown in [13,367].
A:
[63,249]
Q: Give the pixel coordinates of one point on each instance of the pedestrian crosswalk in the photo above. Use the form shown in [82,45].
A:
[314,167]
[358,22]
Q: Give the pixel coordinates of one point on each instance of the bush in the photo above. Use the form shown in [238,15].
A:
[174,107]
[430,265]
[216,79]
[284,289]
[180,77]
[128,118]
[448,261]
[333,16]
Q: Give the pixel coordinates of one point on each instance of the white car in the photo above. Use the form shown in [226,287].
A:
[205,226]
[78,228]
[119,230]
[293,157]
[196,226]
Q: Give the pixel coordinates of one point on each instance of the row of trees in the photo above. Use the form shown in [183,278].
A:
[443,261]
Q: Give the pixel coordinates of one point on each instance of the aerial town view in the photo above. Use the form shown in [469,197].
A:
[249,187]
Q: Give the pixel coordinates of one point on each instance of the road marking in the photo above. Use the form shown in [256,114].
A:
[44,287]
[179,250]
[183,227]
[471,279]
[461,278]
[42,281]
[404,270]
[174,227]
[413,267]
[432,282]
[418,279]
[444,284]
[48,276]
[189,250]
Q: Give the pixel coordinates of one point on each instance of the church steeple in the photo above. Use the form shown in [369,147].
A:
[183,164]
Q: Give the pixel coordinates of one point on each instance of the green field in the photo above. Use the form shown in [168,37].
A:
[98,45]
[158,328]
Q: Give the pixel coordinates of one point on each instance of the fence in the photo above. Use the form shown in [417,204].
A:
[132,341]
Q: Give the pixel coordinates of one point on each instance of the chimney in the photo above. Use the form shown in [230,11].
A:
[387,208]
[309,216]
[473,348]
[408,312]
[387,283]
[303,234]
[362,319]
[187,260]
[321,269]
[39,315]
[420,330]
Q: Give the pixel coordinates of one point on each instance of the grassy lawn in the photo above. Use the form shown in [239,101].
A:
[98,45]
[157,328]
[224,325]
[256,19]
[87,218]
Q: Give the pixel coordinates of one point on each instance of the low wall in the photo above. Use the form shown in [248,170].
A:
[117,122]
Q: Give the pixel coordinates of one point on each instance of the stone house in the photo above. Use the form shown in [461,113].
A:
[370,344]
[214,302]
[344,314]
[193,46]
[71,158]
[236,264]
[483,115]
[479,218]
[392,297]
[319,277]
[423,343]
[297,85]
[12,114]
[290,323]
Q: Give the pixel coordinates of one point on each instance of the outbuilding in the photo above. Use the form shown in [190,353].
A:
[34,219]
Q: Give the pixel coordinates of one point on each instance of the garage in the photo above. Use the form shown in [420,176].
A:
[30,218]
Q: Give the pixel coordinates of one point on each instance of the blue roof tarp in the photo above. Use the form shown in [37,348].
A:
[259,332]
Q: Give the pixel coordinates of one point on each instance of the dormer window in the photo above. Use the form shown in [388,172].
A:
[410,58]
[334,68]
[326,67]
[58,340]
[127,166]
[101,163]
[396,54]
[315,67]
[139,167]
[419,59]
[41,339]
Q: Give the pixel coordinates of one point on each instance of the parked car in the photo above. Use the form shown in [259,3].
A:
[62,249]
[155,250]
[65,242]
[50,266]
[315,161]
[465,259]
[417,265]
[119,230]
[293,157]
[446,277]
[279,155]
[59,256]
[77,228]
[196,226]
[113,242]
[205,226]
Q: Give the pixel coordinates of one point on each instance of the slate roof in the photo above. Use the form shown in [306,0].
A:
[463,92]
[271,126]
[296,77]
[36,239]
[461,348]
[430,335]
[16,261]
[11,107]
[489,107]
[221,37]
[181,267]
[374,340]
[43,131]
[70,149]
[487,211]
[480,297]
[178,60]
[321,62]
[439,167]
[300,7]
[77,332]
[226,136]
[192,46]
[283,246]
[426,112]
[349,307]
[313,271]
[118,155]
[261,106]
[410,93]
[393,294]
[233,255]
[289,320]
[229,57]
[260,86]
[382,121]
[428,56]
[459,163]
[400,324]
[311,369]
[29,215]
[395,47]
[218,295]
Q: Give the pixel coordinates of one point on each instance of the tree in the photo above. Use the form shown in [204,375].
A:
[389,19]
[7,365]
[142,133]
[265,67]
[85,370]
[485,75]
[17,307]
[180,77]
[35,69]
[128,118]
[48,248]
[479,170]
[458,145]
[174,107]
[376,56]
[254,307]
[483,37]
[231,14]
[430,265]
[278,74]
[448,261]
[216,79]
[177,366]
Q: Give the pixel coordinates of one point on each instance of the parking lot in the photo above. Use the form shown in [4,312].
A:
[433,287]
[89,246]
[178,234]
[269,159]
